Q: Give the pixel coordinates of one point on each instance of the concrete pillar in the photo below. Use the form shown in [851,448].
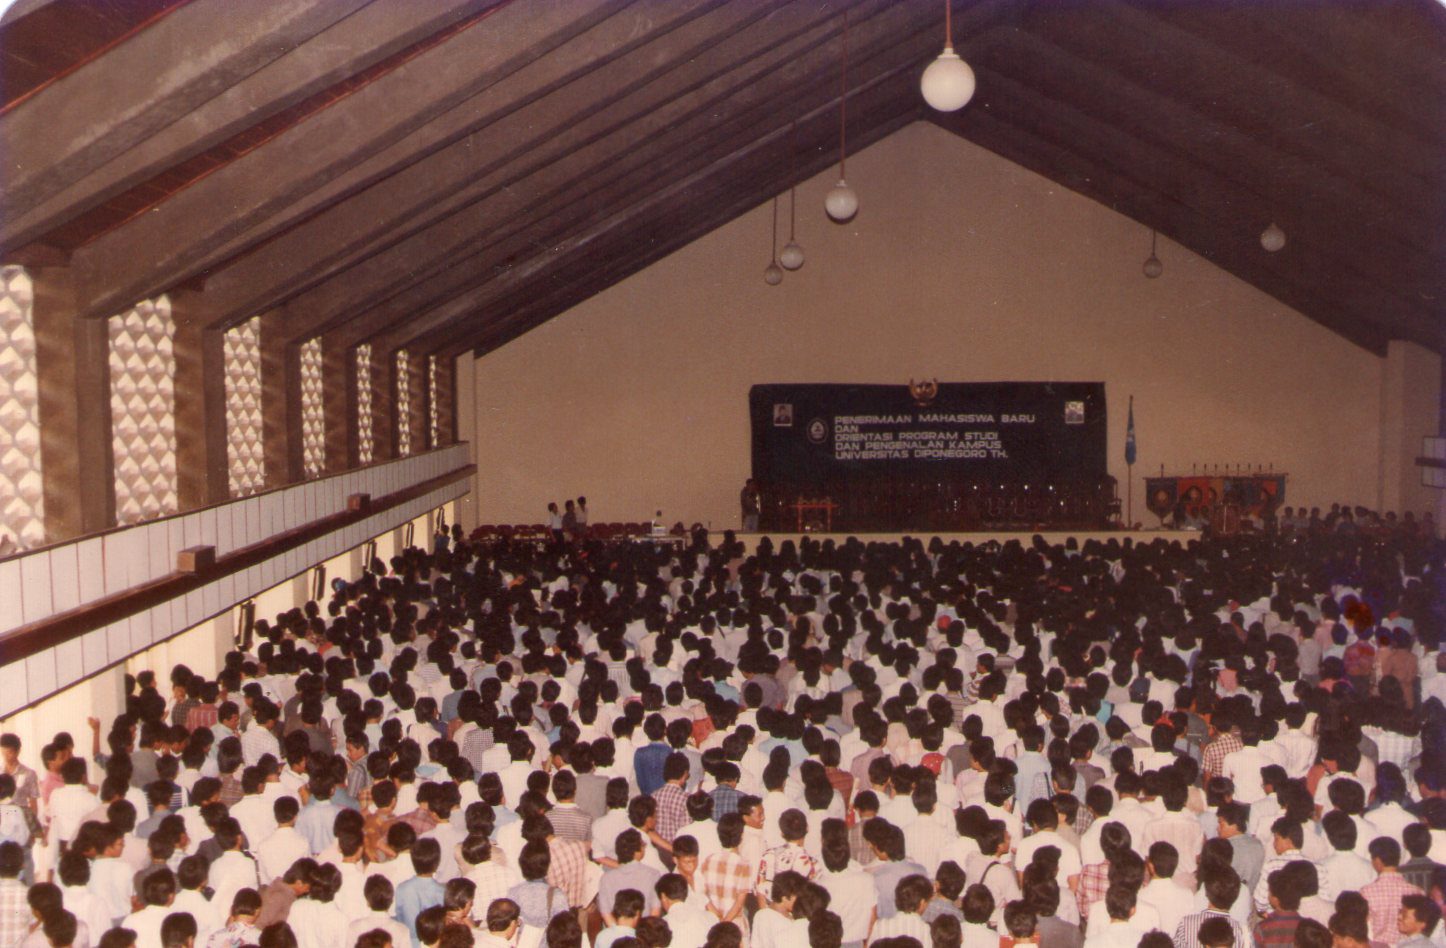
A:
[384,398]
[201,477]
[72,358]
[1410,411]
[464,396]
[280,402]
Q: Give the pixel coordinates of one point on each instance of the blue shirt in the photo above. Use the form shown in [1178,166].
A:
[886,879]
[317,824]
[414,897]
[648,764]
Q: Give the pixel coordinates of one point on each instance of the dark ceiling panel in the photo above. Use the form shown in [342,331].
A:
[1204,120]
[55,39]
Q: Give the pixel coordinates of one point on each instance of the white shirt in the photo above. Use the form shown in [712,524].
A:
[205,914]
[147,923]
[1069,863]
[113,882]
[1170,900]
[276,855]
[230,873]
[318,924]
[853,897]
[1344,872]
[68,807]
[257,819]
[401,938]
[1115,934]
[689,925]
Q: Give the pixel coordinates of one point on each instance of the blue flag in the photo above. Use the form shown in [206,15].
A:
[1130,435]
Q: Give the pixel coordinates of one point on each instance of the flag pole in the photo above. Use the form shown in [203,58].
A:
[1130,474]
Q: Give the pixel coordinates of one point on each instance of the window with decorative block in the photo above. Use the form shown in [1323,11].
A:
[434,425]
[404,403]
[143,411]
[245,449]
[365,448]
[22,499]
[313,410]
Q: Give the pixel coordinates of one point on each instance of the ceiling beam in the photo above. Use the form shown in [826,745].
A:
[1356,234]
[348,47]
[182,232]
[680,151]
[734,183]
[595,119]
[86,118]
[1219,82]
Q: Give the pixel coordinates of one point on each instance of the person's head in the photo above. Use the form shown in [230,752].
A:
[502,918]
[653,932]
[1120,903]
[673,888]
[912,893]
[563,930]
[1215,932]
[1385,853]
[945,932]
[977,904]
[1350,930]
[159,888]
[60,928]
[178,930]
[628,906]
[1222,887]
[1419,915]
[1020,920]
[825,930]
[1284,888]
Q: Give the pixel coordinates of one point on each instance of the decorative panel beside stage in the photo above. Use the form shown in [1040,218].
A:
[933,456]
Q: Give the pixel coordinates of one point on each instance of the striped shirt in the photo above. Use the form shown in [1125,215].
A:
[1277,928]
[1187,935]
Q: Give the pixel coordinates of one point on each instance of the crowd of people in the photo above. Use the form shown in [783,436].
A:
[1102,745]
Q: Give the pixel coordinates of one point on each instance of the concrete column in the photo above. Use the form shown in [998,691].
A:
[280,402]
[200,404]
[1410,411]
[77,460]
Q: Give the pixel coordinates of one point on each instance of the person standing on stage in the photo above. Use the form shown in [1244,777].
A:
[751,503]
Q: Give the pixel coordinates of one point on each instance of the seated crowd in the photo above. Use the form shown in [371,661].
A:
[1108,745]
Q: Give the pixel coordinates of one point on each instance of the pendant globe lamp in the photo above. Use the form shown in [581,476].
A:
[948,83]
[773,273]
[792,254]
[1153,267]
[841,202]
[1272,238]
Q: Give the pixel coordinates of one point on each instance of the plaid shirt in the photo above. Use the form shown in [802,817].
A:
[569,868]
[1277,928]
[672,803]
[725,801]
[202,715]
[477,742]
[722,877]
[1213,758]
[1093,881]
[15,914]
[1384,897]
[859,848]
[570,822]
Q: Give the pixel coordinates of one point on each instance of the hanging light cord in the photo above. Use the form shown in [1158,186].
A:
[775,228]
[792,178]
[843,102]
[1152,242]
[948,24]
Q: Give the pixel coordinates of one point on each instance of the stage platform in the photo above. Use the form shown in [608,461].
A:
[750,540]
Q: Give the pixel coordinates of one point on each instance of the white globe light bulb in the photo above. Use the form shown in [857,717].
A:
[1153,267]
[948,83]
[841,203]
[1272,238]
[773,275]
[792,256]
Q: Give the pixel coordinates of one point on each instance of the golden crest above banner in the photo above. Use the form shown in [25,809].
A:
[924,392]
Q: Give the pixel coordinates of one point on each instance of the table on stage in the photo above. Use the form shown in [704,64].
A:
[823,506]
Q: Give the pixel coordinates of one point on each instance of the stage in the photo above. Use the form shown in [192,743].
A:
[750,540]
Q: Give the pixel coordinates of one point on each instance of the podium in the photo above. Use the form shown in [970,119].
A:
[814,515]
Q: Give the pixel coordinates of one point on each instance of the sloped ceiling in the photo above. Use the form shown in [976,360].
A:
[447,174]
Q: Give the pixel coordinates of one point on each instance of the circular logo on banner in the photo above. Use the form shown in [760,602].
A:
[818,431]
